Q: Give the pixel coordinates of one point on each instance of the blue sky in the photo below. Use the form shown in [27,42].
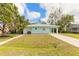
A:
[35,7]
[40,11]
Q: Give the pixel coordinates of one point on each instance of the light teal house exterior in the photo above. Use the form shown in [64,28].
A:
[41,29]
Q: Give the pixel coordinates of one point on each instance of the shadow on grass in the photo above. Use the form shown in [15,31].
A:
[5,35]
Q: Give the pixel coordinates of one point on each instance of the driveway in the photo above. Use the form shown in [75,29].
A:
[70,40]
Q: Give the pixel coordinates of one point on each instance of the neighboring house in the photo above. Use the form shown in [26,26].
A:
[41,29]
[73,28]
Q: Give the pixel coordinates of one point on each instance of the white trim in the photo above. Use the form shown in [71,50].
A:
[43,25]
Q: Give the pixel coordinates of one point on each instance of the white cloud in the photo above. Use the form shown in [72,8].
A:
[20,7]
[44,19]
[34,14]
[48,7]
[70,7]
[31,14]
[73,9]
[67,8]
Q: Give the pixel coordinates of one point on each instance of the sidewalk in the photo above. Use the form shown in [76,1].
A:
[70,40]
[1,43]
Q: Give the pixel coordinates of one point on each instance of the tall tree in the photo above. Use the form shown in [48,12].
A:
[21,24]
[54,15]
[10,17]
[64,22]
[5,15]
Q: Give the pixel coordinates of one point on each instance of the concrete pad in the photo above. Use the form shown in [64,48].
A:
[70,40]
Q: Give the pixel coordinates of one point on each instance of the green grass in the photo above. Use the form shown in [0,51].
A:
[74,35]
[41,45]
[8,37]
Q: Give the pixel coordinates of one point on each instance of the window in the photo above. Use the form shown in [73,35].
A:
[35,28]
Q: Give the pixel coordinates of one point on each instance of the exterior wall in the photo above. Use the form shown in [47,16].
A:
[74,28]
[38,30]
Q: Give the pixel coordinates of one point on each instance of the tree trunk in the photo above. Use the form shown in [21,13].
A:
[3,30]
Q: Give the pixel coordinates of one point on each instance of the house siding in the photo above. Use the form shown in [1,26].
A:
[74,28]
[40,30]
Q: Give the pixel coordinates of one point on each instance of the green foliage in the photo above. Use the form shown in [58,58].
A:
[21,24]
[9,15]
[64,22]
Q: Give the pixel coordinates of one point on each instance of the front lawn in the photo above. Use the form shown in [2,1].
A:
[74,35]
[41,45]
[7,37]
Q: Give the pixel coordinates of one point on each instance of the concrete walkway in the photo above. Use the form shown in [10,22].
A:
[70,40]
[1,43]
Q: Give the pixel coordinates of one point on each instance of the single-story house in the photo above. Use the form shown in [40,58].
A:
[73,28]
[41,29]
